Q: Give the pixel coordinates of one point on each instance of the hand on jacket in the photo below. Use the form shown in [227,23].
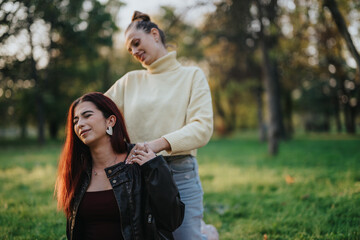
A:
[140,154]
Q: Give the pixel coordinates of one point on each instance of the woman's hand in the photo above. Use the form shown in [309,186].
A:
[141,154]
[134,150]
[155,146]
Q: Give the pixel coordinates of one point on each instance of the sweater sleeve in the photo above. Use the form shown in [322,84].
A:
[116,92]
[199,118]
[165,201]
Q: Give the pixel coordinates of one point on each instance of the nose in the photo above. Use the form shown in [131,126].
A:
[80,123]
[135,52]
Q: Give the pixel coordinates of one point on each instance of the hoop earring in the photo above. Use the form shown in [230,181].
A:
[109,130]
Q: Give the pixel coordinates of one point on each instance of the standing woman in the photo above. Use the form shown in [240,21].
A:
[104,198]
[169,107]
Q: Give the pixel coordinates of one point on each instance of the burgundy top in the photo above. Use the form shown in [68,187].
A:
[99,216]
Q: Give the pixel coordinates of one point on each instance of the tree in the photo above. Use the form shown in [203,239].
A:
[350,111]
[65,39]
[230,52]
[268,11]
[340,23]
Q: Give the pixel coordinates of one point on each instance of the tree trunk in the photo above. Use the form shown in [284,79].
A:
[350,115]
[288,109]
[39,100]
[337,114]
[341,25]
[106,83]
[23,130]
[272,87]
[277,98]
[220,112]
[350,112]
[262,125]
[53,129]
[271,91]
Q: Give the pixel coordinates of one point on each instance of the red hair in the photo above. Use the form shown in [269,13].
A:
[75,157]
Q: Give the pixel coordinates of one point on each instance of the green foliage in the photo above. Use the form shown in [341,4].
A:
[309,191]
[229,49]
[181,36]
[307,47]
[71,55]
[77,44]
[313,64]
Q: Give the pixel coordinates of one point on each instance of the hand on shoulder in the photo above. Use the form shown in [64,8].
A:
[140,154]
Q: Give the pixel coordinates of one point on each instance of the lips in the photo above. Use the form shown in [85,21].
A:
[141,57]
[83,132]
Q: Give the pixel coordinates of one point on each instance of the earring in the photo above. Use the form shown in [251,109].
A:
[109,130]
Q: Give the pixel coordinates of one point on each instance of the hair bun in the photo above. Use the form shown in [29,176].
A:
[139,16]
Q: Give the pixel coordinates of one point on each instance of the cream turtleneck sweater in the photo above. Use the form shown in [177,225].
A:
[166,100]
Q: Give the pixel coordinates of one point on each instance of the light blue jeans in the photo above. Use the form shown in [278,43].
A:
[186,175]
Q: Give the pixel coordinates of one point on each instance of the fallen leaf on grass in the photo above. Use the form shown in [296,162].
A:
[265,237]
[289,179]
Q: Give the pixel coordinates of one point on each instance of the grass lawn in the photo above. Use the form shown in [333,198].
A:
[311,190]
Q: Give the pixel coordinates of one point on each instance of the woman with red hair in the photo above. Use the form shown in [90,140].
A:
[102,197]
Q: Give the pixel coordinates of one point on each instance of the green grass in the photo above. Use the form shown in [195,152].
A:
[247,196]
[246,192]
[27,205]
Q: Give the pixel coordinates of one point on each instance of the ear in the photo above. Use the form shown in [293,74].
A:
[110,121]
[155,33]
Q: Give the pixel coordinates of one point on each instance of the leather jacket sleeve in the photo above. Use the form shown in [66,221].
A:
[164,196]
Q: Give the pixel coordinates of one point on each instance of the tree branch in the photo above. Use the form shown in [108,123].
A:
[341,25]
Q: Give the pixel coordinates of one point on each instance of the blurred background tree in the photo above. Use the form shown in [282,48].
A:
[52,52]
[279,66]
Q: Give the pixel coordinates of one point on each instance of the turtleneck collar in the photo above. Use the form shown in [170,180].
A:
[164,64]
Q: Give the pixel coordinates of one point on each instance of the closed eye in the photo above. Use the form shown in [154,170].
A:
[134,43]
[85,114]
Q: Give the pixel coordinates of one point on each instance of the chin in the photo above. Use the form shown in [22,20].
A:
[86,141]
[147,62]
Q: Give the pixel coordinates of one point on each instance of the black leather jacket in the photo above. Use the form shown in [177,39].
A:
[147,197]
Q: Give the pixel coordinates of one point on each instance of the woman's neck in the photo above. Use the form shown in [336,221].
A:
[162,52]
[102,155]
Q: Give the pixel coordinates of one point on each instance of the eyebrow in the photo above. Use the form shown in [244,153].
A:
[83,113]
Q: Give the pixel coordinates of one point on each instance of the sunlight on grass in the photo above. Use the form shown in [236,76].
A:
[28,208]
[39,178]
[220,178]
